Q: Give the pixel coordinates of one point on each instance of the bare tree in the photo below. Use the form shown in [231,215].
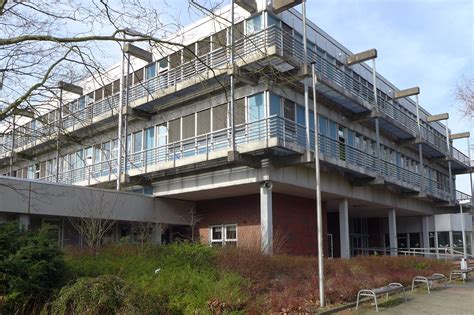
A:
[95,220]
[464,94]
[194,219]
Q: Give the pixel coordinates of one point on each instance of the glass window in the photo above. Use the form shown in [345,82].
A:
[272,20]
[204,46]
[219,40]
[457,240]
[256,107]
[275,104]
[175,130]
[240,111]
[219,117]
[216,233]
[300,119]
[137,141]
[443,239]
[415,240]
[150,71]
[323,125]
[96,154]
[332,129]
[204,122]
[254,24]
[88,155]
[149,138]
[223,235]
[188,126]
[163,65]
[162,135]
[289,110]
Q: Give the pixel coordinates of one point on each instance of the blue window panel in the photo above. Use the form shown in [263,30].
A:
[256,107]
[323,125]
[82,102]
[350,137]
[332,129]
[275,105]
[254,24]
[149,138]
[150,71]
[272,20]
[137,141]
[300,115]
[311,120]
[148,191]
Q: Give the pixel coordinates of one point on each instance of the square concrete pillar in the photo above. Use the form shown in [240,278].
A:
[24,221]
[392,232]
[156,233]
[426,234]
[266,218]
[344,228]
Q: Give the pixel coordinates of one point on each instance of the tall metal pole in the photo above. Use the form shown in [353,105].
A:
[120,121]
[13,145]
[470,173]
[448,154]
[319,211]
[232,52]
[60,124]
[420,145]
[464,248]
[305,65]
[125,118]
[377,130]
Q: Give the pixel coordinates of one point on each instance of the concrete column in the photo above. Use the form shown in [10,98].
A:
[24,221]
[344,228]
[392,232]
[156,234]
[266,218]
[426,233]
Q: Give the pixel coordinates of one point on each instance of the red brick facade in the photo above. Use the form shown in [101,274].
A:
[294,221]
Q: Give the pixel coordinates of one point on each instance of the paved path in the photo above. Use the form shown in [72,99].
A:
[455,299]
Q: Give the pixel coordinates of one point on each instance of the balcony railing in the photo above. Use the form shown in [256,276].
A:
[259,134]
[288,47]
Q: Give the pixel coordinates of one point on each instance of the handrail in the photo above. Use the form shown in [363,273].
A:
[289,132]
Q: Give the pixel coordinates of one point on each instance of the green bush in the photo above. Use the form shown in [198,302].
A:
[104,295]
[188,281]
[31,267]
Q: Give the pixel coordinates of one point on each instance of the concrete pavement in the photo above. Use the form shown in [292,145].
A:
[457,298]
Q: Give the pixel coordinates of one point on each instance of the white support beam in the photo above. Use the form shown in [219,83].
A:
[344,228]
[426,233]
[407,92]
[438,117]
[266,218]
[361,57]
[460,135]
[392,231]
[24,221]
[137,52]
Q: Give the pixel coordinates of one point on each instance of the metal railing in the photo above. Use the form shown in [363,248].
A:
[259,133]
[446,253]
[288,47]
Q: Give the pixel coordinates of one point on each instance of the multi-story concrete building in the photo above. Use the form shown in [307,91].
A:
[382,187]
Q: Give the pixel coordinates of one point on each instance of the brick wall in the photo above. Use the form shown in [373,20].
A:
[294,221]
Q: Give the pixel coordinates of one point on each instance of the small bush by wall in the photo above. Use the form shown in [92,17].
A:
[31,268]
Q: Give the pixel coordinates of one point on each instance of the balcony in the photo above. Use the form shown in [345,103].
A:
[277,134]
[270,46]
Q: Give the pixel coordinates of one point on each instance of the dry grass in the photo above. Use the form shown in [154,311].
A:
[284,283]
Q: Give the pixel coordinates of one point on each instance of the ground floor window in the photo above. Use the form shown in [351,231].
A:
[223,235]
